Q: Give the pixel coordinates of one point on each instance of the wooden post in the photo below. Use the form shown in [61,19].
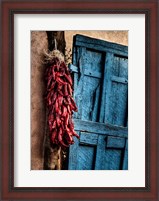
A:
[53,155]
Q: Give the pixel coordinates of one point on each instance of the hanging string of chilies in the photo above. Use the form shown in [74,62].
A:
[59,100]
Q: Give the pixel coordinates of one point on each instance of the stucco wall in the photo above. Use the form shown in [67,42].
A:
[120,37]
[39,42]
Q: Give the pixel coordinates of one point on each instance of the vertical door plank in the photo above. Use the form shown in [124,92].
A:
[75,80]
[73,154]
[120,67]
[124,73]
[86,157]
[90,86]
[125,162]
[119,93]
[100,154]
[74,56]
[103,93]
[123,67]
[112,159]
[79,86]
[95,106]
[119,97]
[92,63]
[108,65]
[75,76]
[87,151]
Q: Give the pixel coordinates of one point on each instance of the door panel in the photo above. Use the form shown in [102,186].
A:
[90,100]
[115,142]
[112,159]
[98,152]
[100,72]
[92,61]
[73,154]
[114,153]
[118,108]
[88,138]
[116,93]
[120,67]
[86,157]
[88,81]
[84,152]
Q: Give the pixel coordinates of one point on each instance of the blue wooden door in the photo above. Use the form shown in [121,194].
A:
[100,72]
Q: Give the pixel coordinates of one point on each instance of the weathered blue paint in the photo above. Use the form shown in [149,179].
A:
[125,162]
[100,128]
[100,72]
[88,138]
[100,153]
[73,156]
[119,92]
[100,45]
[108,91]
[115,142]
[86,157]
[112,159]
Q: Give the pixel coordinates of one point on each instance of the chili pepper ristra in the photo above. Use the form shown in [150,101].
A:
[59,100]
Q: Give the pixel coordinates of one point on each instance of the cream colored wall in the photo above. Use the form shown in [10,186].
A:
[120,37]
[38,111]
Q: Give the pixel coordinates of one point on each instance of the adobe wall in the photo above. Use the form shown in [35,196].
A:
[120,37]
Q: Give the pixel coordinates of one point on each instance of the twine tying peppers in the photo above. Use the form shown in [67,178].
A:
[59,100]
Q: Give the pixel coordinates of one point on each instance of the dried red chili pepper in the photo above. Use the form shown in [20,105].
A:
[59,80]
[60,103]
[66,119]
[60,138]
[69,89]
[58,120]
[64,111]
[54,124]
[68,78]
[68,109]
[65,90]
[54,97]
[60,100]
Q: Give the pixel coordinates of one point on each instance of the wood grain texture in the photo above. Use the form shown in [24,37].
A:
[115,142]
[100,90]
[108,89]
[100,128]
[88,138]
[125,162]
[86,157]
[112,159]
[79,83]
[100,153]
[101,45]
[73,154]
